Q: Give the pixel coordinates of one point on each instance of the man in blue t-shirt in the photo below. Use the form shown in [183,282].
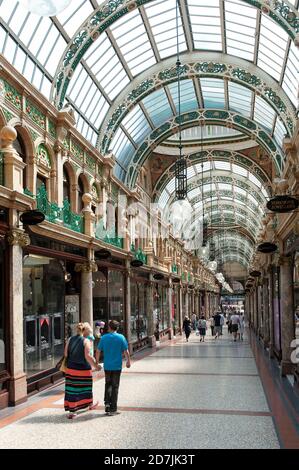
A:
[113,346]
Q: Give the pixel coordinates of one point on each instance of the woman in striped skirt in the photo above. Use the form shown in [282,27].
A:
[78,376]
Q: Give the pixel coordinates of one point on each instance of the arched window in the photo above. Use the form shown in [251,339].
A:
[66,185]
[80,194]
[19,146]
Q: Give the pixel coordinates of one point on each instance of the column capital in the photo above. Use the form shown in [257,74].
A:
[17,236]
[88,267]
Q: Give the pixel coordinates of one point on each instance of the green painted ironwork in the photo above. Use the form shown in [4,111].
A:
[138,254]
[174,268]
[27,192]
[108,236]
[110,11]
[56,214]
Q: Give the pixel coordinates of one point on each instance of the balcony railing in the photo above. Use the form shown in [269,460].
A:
[108,236]
[139,254]
[174,268]
[54,213]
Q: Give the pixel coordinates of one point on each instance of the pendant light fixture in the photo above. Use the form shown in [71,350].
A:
[180,164]
[45,7]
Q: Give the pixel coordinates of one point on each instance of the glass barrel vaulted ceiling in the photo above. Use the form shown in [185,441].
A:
[112,62]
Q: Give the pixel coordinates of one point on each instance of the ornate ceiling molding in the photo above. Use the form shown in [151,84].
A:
[195,118]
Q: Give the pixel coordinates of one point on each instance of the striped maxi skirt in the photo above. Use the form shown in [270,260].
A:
[78,389]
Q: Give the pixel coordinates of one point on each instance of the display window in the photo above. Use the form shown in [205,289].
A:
[296,293]
[139,310]
[44,317]
[161,307]
[276,311]
[108,297]
[3,362]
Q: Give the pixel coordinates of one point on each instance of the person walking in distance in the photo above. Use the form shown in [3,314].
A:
[187,327]
[235,319]
[217,322]
[202,326]
[242,325]
[113,345]
[212,325]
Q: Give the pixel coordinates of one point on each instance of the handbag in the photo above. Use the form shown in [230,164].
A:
[62,364]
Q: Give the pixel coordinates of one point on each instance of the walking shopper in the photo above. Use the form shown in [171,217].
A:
[235,320]
[217,327]
[78,375]
[202,326]
[187,327]
[212,325]
[193,321]
[113,346]
[88,334]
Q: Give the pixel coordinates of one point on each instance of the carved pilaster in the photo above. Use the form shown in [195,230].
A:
[18,237]
[88,267]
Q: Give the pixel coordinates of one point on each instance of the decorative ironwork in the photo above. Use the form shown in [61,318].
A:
[108,236]
[106,14]
[56,214]
[138,254]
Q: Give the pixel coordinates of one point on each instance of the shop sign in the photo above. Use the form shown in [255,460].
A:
[158,276]
[33,217]
[255,273]
[282,204]
[267,247]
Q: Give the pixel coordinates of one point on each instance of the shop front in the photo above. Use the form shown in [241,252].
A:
[161,310]
[109,295]
[139,290]
[276,308]
[51,307]
[4,314]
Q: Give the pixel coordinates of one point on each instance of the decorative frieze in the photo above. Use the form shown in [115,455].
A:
[52,129]
[43,157]
[11,94]
[35,114]
[77,151]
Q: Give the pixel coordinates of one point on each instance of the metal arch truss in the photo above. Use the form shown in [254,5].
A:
[226,68]
[216,155]
[281,11]
[204,117]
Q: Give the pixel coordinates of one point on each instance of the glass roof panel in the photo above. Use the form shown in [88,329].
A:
[132,39]
[290,82]
[188,96]
[255,181]
[122,148]
[240,99]
[205,24]
[213,92]
[136,125]
[106,66]
[240,23]
[206,167]
[222,165]
[158,107]
[238,170]
[280,132]
[206,132]
[73,16]
[272,48]
[162,19]
[264,114]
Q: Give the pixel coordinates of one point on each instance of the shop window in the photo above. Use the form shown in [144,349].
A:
[100,296]
[66,185]
[139,310]
[3,365]
[116,298]
[43,306]
[296,294]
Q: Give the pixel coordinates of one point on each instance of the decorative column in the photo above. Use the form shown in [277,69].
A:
[180,315]
[13,163]
[89,216]
[151,323]
[17,239]
[287,314]
[255,325]
[128,275]
[86,270]
[186,301]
